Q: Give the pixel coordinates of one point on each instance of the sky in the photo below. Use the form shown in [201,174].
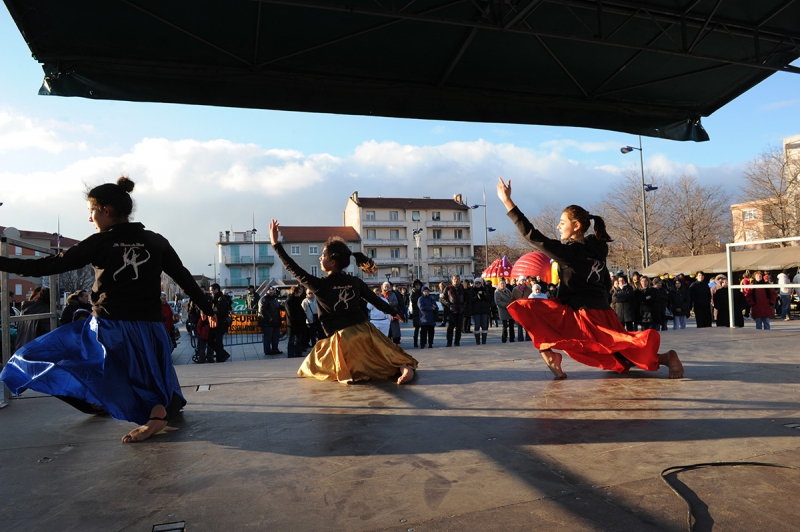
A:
[201,170]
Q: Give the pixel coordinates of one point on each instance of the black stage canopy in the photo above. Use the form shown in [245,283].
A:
[649,67]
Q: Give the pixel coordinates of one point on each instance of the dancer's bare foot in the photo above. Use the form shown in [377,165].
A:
[671,360]
[406,375]
[158,420]
[553,361]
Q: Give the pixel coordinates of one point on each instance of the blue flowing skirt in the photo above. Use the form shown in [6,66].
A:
[124,367]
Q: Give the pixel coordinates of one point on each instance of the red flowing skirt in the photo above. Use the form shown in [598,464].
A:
[590,336]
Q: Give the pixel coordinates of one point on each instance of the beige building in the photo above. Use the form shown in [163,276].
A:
[243,259]
[389,227]
[755,220]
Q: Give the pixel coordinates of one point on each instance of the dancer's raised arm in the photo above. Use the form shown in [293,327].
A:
[504,193]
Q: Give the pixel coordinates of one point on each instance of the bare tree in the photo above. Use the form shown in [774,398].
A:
[699,217]
[621,208]
[546,220]
[81,279]
[771,181]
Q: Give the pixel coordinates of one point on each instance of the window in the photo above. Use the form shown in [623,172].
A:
[263,273]
[314,270]
[457,216]
[460,270]
[437,271]
[295,250]
[458,234]
[392,216]
[749,236]
[436,216]
[459,252]
[417,272]
[395,271]
[350,247]
[371,234]
[394,234]
[370,215]
[437,234]
[395,253]
[17,250]
[371,252]
[437,253]
[417,253]
[263,250]
[415,216]
[235,255]
[313,250]
[37,253]
[236,274]
[749,214]
[18,289]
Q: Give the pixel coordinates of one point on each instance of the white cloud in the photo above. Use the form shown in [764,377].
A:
[561,145]
[774,106]
[20,133]
[190,190]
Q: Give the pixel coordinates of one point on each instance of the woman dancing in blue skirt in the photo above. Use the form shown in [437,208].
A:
[119,361]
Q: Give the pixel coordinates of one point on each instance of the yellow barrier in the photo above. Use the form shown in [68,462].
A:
[248,323]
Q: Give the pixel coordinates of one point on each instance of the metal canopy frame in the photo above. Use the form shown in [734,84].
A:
[628,65]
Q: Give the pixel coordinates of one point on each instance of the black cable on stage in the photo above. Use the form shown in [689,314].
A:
[711,464]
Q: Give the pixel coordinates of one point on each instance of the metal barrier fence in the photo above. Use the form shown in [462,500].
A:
[6,319]
[245,329]
[728,252]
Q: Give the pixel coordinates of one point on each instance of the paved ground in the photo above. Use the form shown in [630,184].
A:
[482,440]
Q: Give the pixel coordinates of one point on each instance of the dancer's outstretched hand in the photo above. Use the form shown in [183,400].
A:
[504,193]
[273,231]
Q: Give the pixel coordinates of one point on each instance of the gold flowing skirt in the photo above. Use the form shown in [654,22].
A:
[356,353]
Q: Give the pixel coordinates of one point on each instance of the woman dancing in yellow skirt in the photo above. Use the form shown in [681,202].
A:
[354,349]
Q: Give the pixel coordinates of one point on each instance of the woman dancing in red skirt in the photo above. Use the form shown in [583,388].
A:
[580,321]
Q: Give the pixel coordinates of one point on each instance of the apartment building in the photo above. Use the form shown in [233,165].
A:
[304,244]
[243,259]
[21,287]
[413,238]
[246,257]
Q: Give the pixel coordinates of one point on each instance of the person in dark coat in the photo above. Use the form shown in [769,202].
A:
[416,292]
[38,303]
[427,309]
[269,318]
[680,304]
[78,300]
[502,298]
[219,327]
[295,321]
[700,296]
[720,299]
[651,305]
[623,301]
[480,308]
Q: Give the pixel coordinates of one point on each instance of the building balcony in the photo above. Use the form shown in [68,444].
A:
[245,260]
[449,260]
[448,242]
[451,223]
[386,261]
[384,242]
[381,278]
[384,223]
[234,283]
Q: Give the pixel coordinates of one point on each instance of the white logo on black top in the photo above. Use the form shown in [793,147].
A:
[345,296]
[597,267]
[131,258]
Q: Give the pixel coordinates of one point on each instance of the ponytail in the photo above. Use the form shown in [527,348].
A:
[600,232]
[365,264]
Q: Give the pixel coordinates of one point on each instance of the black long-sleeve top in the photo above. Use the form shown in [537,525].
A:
[127,261]
[584,280]
[338,295]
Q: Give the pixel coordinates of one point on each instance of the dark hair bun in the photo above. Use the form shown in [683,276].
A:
[125,184]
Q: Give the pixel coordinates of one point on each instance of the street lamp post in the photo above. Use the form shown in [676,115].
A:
[214,264]
[417,232]
[486,228]
[255,272]
[646,187]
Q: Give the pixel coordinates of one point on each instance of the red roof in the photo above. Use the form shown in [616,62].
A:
[318,233]
[420,204]
[53,237]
